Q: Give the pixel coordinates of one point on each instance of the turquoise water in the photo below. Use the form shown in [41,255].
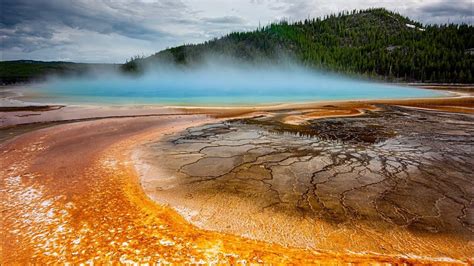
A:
[221,86]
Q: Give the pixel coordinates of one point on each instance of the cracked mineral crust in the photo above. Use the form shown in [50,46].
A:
[396,181]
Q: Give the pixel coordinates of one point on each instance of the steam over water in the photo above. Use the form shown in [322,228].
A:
[220,85]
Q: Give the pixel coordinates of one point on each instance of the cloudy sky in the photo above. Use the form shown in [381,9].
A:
[113,30]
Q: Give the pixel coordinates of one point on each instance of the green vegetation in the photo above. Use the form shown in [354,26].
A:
[375,43]
[28,70]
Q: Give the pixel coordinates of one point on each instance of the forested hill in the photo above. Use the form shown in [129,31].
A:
[376,43]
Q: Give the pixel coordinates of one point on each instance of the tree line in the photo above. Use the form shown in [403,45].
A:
[375,43]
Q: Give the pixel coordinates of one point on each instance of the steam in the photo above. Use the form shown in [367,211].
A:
[219,82]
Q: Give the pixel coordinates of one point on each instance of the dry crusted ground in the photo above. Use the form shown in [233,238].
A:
[398,181]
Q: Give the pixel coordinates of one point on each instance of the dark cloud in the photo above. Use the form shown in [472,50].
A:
[31,25]
[449,8]
[26,42]
[103,17]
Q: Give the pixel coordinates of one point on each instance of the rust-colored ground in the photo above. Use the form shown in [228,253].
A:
[69,193]
[307,111]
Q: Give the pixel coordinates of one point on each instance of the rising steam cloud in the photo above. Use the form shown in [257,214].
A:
[220,82]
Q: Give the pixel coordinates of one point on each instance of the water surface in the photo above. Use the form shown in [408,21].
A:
[221,86]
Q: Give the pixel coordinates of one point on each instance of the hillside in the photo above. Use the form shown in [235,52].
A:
[376,43]
[28,70]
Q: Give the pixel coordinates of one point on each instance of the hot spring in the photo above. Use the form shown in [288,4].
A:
[219,85]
